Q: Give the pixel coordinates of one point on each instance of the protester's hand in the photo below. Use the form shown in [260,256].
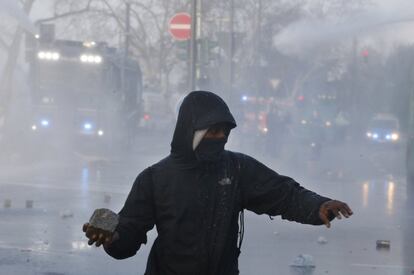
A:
[99,236]
[335,207]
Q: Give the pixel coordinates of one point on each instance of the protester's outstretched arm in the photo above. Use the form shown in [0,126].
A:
[267,192]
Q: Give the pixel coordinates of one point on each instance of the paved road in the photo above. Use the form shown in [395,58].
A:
[47,239]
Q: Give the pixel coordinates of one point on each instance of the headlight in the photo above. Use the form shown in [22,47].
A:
[375,136]
[55,56]
[100,133]
[98,59]
[34,127]
[369,134]
[328,124]
[84,58]
[395,136]
[88,58]
[44,55]
[304,122]
[87,126]
[89,44]
[45,123]
[41,55]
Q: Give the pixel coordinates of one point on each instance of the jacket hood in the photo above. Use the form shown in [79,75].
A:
[199,110]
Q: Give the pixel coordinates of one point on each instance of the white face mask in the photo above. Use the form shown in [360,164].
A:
[198,136]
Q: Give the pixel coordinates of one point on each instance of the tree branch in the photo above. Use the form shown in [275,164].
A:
[66,14]
[153,15]
[141,24]
[116,17]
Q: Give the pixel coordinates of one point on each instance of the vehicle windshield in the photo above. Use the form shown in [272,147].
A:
[384,124]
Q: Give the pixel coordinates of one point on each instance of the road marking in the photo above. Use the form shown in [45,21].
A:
[91,187]
[383,266]
[34,249]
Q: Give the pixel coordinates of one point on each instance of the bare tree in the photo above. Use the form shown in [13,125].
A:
[105,20]
[274,16]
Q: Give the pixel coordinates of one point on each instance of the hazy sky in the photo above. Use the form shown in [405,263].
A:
[385,25]
[42,10]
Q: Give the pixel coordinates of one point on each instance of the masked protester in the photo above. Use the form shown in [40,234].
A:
[196,197]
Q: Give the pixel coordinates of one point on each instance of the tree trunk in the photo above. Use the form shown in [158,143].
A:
[6,83]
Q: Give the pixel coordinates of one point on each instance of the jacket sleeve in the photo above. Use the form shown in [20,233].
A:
[266,192]
[135,219]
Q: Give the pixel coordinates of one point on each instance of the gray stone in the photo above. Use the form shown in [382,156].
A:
[29,204]
[104,219]
[383,244]
[7,203]
[107,198]
[303,260]
[322,240]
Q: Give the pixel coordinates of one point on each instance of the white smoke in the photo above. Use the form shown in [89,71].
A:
[307,35]
[12,9]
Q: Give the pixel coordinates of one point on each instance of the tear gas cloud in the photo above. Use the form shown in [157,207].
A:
[309,34]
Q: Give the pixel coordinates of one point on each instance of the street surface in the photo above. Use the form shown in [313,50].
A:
[47,237]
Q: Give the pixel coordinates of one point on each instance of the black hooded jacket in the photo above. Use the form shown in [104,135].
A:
[196,207]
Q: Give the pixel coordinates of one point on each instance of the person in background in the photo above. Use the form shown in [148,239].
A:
[277,125]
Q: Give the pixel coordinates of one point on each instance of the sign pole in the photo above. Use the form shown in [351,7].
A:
[183,27]
[193,46]
[231,68]
[126,46]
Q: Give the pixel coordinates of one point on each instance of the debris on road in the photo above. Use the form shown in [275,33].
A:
[303,261]
[66,214]
[107,198]
[322,240]
[29,204]
[7,203]
[383,244]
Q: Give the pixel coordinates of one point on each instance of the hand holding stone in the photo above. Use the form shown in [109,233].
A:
[101,227]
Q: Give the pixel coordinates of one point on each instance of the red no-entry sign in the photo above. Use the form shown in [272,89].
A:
[180,26]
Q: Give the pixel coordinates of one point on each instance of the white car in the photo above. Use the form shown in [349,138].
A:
[384,128]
